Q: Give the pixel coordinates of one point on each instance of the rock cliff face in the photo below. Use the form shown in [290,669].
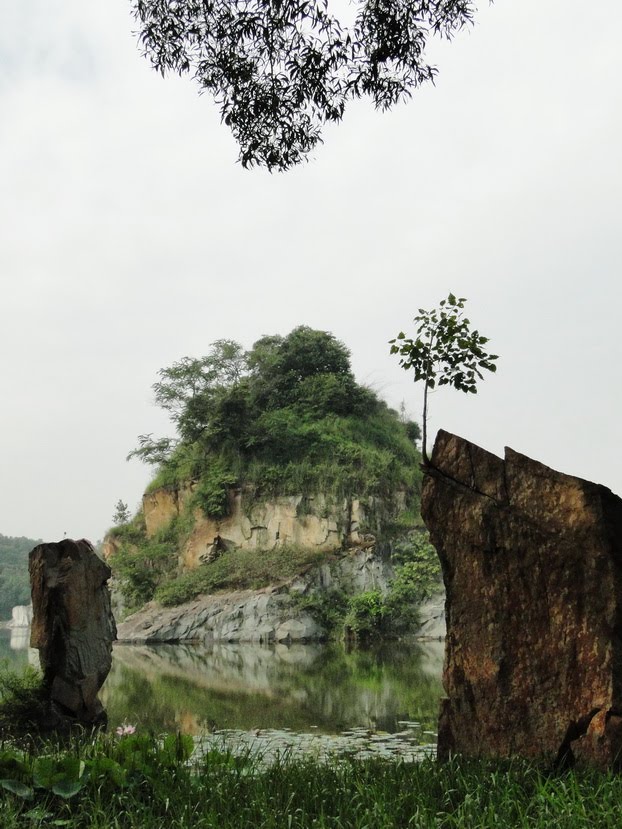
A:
[294,520]
[268,615]
[532,564]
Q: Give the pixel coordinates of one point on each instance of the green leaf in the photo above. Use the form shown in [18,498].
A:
[102,767]
[44,772]
[38,813]
[67,788]
[19,789]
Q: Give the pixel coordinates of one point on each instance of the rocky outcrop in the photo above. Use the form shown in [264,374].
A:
[432,618]
[532,564]
[312,521]
[72,625]
[21,616]
[274,614]
[243,616]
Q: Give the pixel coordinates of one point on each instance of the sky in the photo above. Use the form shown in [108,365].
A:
[130,237]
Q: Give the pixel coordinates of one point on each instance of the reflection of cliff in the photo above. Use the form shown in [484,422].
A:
[245,686]
[221,667]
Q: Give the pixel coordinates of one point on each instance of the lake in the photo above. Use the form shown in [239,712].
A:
[319,689]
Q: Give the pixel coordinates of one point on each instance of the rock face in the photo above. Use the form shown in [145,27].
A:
[268,615]
[432,618]
[314,521]
[72,625]
[260,616]
[532,564]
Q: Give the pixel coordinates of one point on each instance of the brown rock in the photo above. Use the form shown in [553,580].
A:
[532,564]
[72,625]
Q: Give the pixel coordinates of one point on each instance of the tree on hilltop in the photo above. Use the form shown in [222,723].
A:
[289,419]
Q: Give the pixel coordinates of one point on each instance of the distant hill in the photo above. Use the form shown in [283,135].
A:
[14,581]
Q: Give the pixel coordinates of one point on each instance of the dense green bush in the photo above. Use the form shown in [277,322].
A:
[365,615]
[417,577]
[142,564]
[211,492]
[22,702]
[286,417]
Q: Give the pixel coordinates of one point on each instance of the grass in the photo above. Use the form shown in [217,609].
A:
[22,702]
[143,781]
[239,569]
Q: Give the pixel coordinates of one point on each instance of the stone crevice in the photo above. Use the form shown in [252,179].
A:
[565,758]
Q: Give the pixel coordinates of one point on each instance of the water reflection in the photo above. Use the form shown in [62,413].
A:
[15,650]
[321,688]
[302,687]
[19,638]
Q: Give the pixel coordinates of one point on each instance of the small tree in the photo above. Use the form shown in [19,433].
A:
[444,352]
[122,513]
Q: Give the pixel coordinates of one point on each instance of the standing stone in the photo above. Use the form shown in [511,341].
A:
[532,564]
[72,625]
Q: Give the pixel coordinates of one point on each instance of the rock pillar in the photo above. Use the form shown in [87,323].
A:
[532,564]
[72,625]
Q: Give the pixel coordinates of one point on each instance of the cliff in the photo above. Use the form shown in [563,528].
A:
[286,569]
[314,521]
[271,614]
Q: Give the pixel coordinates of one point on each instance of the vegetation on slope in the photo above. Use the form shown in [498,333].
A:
[14,580]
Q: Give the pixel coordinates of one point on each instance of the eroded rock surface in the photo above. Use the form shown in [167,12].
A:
[532,563]
[271,614]
[72,625]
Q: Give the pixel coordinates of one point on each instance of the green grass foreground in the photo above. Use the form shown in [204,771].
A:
[140,781]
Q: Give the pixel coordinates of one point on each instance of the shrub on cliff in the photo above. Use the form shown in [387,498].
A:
[417,577]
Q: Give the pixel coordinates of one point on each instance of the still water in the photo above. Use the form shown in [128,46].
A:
[306,688]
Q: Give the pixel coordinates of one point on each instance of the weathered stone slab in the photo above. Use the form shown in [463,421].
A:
[72,625]
[532,564]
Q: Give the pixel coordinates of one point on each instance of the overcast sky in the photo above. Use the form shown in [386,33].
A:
[130,237]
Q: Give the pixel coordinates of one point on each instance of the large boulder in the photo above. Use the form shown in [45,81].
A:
[72,625]
[532,564]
